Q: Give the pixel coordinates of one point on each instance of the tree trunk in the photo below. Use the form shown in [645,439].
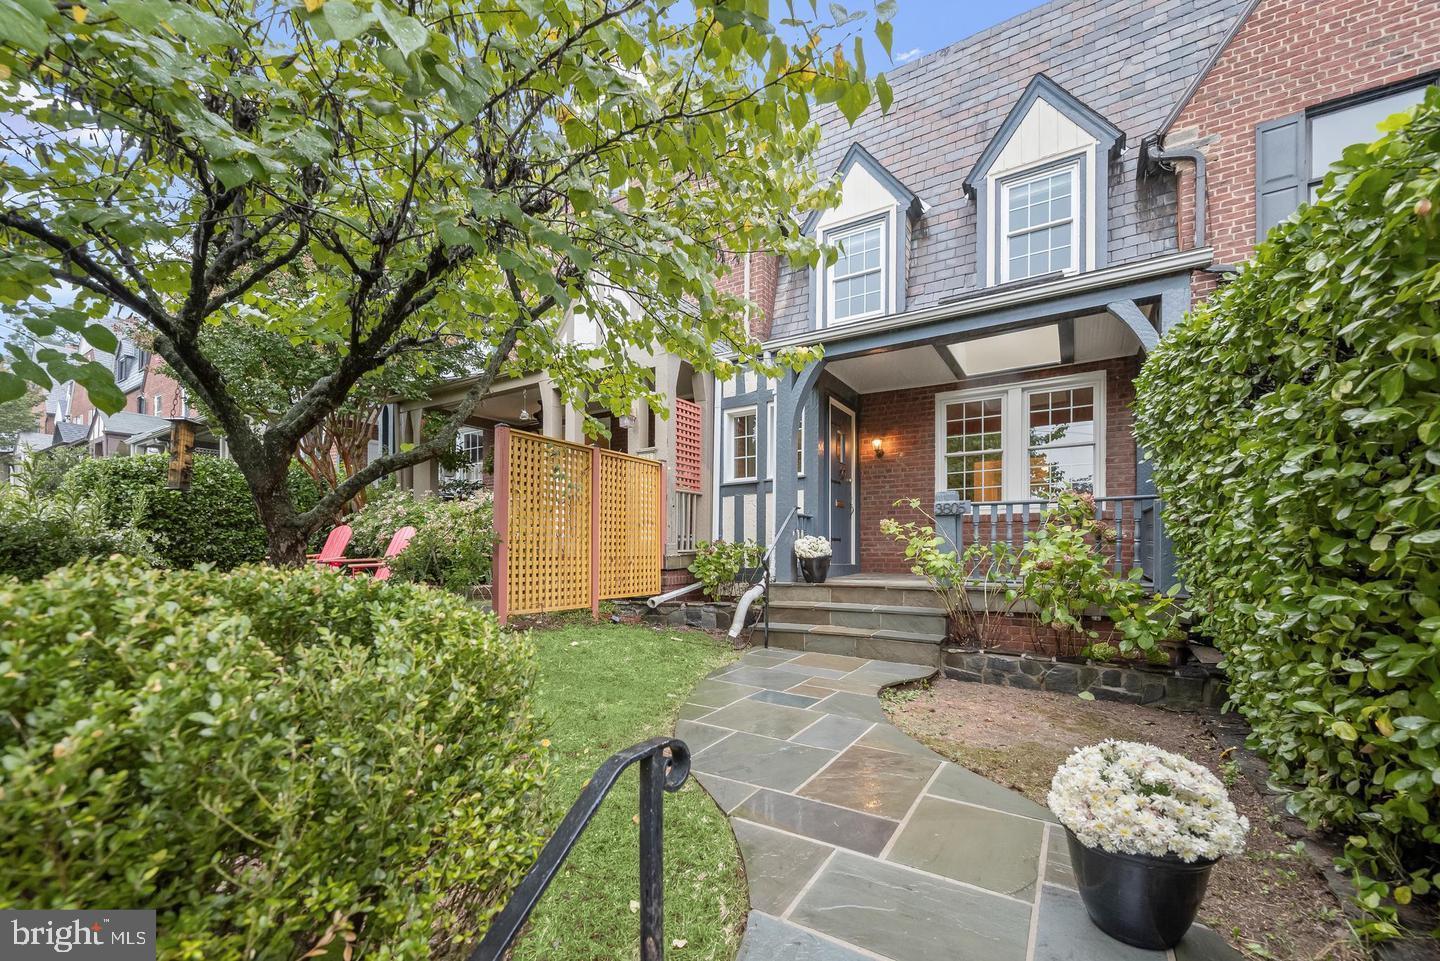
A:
[285,537]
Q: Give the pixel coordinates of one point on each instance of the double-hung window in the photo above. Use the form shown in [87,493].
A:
[1332,131]
[1021,441]
[857,279]
[742,445]
[1039,225]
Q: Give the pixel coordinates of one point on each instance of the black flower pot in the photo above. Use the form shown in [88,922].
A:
[814,569]
[1146,901]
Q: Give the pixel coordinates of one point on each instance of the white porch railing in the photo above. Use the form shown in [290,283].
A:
[687,516]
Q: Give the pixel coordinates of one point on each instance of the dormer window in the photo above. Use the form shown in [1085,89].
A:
[857,279]
[871,230]
[1040,222]
[1041,188]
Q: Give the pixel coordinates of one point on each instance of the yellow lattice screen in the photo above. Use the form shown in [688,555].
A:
[629,526]
[549,525]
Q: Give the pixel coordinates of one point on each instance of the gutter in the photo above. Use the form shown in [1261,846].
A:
[1154,156]
[984,300]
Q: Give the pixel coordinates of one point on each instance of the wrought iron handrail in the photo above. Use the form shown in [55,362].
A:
[664,766]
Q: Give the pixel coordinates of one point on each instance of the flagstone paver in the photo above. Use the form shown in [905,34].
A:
[862,845]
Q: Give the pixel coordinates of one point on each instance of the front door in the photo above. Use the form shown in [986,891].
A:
[842,485]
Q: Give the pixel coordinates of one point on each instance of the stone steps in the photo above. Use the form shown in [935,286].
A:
[881,621]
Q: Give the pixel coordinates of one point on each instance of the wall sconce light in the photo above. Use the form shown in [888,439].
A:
[877,447]
[627,422]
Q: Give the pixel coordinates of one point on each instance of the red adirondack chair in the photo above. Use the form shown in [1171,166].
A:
[332,553]
[378,565]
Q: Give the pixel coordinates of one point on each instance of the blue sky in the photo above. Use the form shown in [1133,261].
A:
[924,26]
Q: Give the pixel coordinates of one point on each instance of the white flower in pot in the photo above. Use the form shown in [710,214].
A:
[813,552]
[1145,826]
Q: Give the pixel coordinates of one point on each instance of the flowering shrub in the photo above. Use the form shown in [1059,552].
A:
[1129,798]
[812,546]
[454,542]
[718,563]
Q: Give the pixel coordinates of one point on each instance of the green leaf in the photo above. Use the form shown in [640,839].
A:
[883,93]
[885,32]
[12,386]
[408,33]
[1344,730]
[345,19]
[102,338]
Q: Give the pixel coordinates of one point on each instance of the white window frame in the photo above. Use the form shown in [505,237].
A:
[800,445]
[1015,430]
[159,406]
[770,451]
[1076,218]
[731,416]
[837,233]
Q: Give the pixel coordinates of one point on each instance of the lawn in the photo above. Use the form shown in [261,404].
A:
[604,687]
[1270,903]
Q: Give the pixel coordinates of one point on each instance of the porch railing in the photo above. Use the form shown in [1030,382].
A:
[687,516]
[1138,533]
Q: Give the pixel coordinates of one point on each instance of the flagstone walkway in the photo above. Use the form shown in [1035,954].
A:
[861,844]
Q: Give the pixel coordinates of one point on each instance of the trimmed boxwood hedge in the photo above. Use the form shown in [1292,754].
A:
[264,756]
[214,522]
[1294,423]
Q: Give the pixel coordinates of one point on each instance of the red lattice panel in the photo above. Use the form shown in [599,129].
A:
[687,445]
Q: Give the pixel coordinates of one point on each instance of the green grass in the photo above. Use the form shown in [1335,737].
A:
[604,687]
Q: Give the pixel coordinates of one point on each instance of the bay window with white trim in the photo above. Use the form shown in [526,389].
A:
[1022,441]
[1039,221]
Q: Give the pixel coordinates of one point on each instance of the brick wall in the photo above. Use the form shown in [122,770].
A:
[1289,55]
[904,420]
[764,272]
[158,382]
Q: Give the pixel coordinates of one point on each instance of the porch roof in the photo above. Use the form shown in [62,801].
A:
[1019,307]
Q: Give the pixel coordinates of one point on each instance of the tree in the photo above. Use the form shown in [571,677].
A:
[380,178]
[19,415]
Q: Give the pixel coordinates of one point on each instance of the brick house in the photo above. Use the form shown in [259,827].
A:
[1018,231]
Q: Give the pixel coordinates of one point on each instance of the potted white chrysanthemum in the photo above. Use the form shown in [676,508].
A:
[814,554]
[1145,827]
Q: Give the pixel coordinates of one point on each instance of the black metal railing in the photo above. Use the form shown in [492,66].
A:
[664,766]
[1137,537]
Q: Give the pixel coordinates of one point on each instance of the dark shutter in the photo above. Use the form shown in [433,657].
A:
[1280,163]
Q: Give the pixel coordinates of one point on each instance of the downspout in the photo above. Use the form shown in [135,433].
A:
[1162,158]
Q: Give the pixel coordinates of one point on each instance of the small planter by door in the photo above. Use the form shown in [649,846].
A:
[814,569]
[1146,901]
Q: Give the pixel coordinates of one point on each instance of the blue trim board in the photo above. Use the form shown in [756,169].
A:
[857,154]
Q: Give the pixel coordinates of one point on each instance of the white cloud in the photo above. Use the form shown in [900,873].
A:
[908,55]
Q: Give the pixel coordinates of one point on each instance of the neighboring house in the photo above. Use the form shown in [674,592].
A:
[1285,94]
[1017,232]
[533,403]
[141,426]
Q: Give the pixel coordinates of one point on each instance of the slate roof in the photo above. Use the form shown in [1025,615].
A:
[69,433]
[129,423]
[1128,60]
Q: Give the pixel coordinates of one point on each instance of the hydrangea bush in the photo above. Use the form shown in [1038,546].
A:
[454,542]
[812,546]
[1130,798]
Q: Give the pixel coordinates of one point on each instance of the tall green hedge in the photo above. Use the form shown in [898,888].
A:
[1294,420]
[214,522]
[264,756]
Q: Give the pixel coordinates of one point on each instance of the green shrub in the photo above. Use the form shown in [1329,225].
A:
[214,522]
[1294,419]
[39,534]
[262,756]
[717,564]
[454,543]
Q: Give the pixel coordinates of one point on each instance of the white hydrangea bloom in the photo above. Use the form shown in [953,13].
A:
[1130,798]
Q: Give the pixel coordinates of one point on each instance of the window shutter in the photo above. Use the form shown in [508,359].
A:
[1279,171]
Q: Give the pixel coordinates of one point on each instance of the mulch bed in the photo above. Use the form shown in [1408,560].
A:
[1271,903]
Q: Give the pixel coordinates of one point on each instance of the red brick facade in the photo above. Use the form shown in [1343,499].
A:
[904,420]
[764,275]
[1288,56]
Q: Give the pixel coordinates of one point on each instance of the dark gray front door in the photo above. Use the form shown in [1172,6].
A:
[842,485]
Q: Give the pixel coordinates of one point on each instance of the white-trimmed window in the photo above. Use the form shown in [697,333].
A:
[1331,131]
[800,445]
[1022,441]
[1039,221]
[857,280]
[742,445]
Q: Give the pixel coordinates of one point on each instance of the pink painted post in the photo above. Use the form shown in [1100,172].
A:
[500,576]
[595,532]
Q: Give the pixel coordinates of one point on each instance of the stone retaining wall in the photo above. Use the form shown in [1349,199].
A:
[1192,687]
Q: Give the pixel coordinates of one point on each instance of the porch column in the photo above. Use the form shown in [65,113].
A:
[550,409]
[791,392]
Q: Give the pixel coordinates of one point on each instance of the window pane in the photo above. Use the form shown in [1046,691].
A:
[1056,469]
[743,451]
[1331,133]
[974,460]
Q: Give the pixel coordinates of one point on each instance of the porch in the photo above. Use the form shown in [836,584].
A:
[981,414]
